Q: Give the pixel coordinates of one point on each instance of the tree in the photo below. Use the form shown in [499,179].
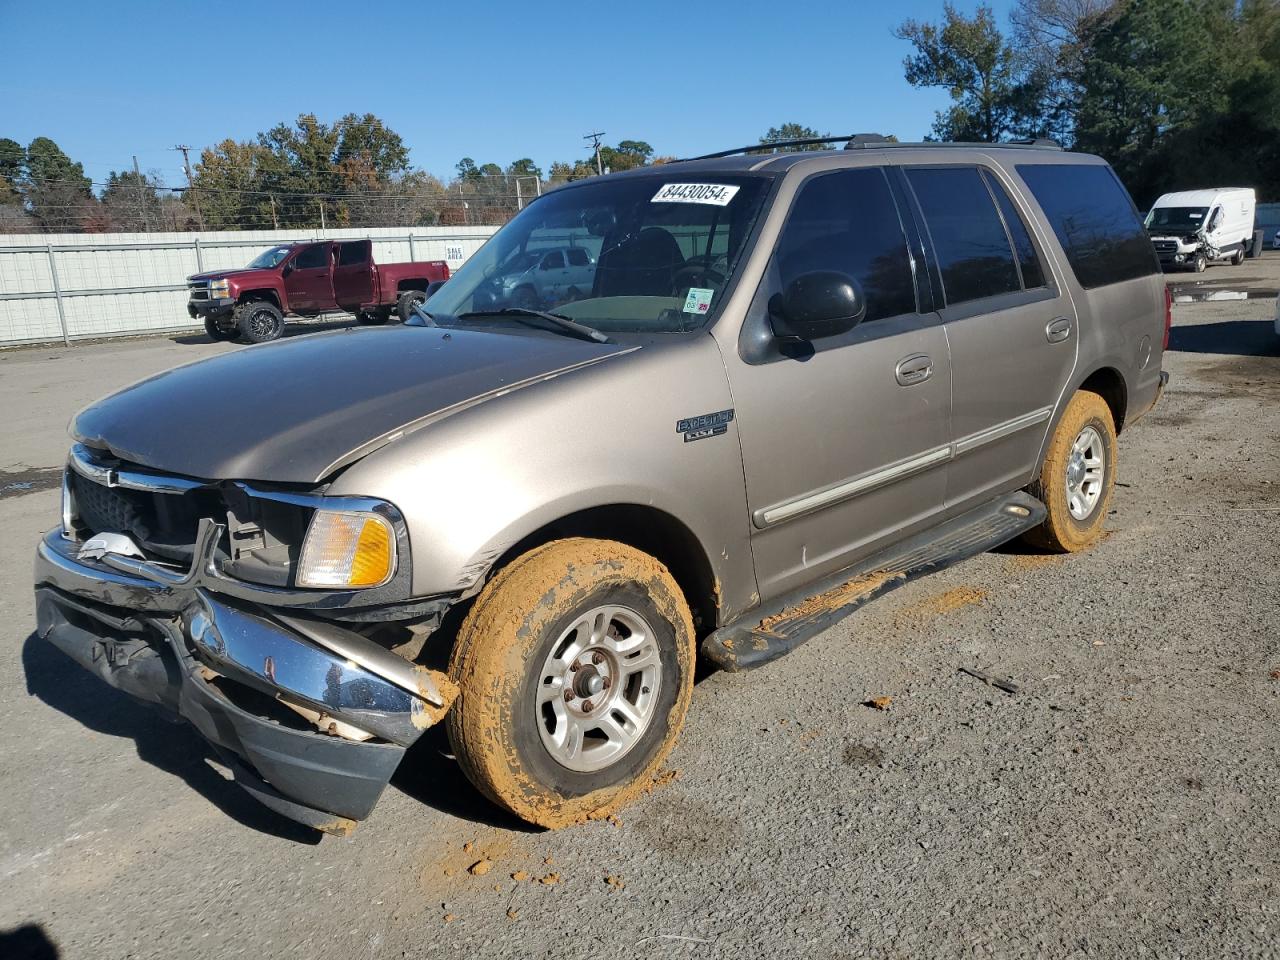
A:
[228,182]
[793,131]
[524,167]
[968,57]
[131,203]
[467,170]
[56,190]
[13,162]
[1152,70]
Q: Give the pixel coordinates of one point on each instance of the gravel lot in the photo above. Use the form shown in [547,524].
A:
[1122,804]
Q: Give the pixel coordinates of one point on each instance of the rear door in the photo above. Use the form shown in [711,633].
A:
[353,275]
[309,284]
[844,439]
[1009,322]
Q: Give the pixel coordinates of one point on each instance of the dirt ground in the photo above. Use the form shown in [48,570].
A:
[1121,804]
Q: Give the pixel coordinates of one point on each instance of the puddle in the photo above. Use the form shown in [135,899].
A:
[32,480]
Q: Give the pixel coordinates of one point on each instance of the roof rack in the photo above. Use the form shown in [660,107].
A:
[862,141]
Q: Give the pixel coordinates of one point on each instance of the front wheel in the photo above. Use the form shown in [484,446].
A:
[1237,258]
[575,670]
[1077,476]
[260,322]
[217,332]
[1200,262]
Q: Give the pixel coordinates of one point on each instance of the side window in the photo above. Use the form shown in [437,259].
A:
[577,257]
[968,236]
[553,260]
[1094,220]
[316,256]
[1028,262]
[350,254]
[847,221]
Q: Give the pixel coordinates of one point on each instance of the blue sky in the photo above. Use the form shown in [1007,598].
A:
[494,81]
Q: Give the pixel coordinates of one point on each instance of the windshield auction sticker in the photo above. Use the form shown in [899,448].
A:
[716,194]
[699,300]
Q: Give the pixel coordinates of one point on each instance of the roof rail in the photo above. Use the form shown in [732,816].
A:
[862,141]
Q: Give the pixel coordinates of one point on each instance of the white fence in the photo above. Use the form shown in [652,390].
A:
[64,287]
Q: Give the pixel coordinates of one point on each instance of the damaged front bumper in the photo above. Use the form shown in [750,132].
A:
[312,718]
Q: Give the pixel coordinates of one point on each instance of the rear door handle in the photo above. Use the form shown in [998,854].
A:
[912,370]
[1057,330]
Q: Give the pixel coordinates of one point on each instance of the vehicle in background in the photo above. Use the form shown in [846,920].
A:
[1192,228]
[1275,241]
[543,277]
[305,280]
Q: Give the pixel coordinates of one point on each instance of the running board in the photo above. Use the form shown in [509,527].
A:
[770,631]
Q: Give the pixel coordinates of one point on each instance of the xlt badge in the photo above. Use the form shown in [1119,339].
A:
[707,425]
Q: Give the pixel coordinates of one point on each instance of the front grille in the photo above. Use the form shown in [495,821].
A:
[1165,246]
[163,524]
[199,289]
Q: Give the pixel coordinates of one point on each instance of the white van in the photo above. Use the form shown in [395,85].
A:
[1193,227]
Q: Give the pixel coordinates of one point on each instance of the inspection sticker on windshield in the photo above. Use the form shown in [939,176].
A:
[698,300]
[716,194]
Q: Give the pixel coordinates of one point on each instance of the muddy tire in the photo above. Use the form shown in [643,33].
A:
[575,670]
[408,300]
[1077,476]
[260,322]
[217,333]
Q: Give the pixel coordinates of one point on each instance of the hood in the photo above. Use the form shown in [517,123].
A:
[296,410]
[239,274]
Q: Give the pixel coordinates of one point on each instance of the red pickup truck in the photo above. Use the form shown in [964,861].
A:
[306,279]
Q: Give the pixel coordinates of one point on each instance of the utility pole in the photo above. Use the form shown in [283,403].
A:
[186,165]
[142,203]
[275,221]
[595,140]
[321,202]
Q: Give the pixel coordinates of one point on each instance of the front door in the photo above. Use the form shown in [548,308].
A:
[1011,327]
[309,285]
[844,440]
[353,275]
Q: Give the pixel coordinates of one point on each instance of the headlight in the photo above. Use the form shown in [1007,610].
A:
[220,289]
[347,548]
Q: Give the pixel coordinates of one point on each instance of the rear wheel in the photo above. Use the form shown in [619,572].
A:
[217,332]
[575,670]
[408,300]
[260,321]
[1077,476]
[1237,258]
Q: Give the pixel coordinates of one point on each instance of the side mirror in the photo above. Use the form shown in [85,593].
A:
[823,303]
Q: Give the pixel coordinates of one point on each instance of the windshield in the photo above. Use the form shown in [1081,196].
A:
[1176,219]
[269,259]
[659,253]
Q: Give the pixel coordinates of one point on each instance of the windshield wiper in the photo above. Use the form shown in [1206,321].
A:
[559,319]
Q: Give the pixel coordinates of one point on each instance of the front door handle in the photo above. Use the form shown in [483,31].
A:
[912,370]
[1057,330]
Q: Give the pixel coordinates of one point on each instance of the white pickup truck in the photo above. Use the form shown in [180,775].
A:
[1195,227]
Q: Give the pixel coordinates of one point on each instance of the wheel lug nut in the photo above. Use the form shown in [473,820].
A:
[587,706]
[568,696]
[597,657]
[574,666]
[607,682]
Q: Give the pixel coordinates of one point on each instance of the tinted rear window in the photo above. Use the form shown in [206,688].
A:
[353,253]
[968,236]
[1095,221]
